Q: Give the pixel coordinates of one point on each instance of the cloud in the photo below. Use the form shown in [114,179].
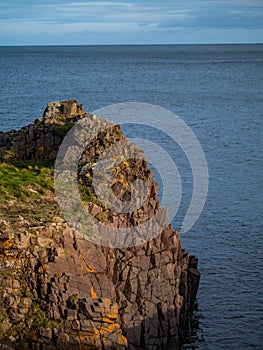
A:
[132,19]
[218,18]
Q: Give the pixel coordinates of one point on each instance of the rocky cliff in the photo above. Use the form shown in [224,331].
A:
[60,291]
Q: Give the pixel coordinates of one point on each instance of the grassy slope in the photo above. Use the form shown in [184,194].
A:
[27,191]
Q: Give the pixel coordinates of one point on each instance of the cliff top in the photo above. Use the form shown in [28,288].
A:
[59,290]
[57,112]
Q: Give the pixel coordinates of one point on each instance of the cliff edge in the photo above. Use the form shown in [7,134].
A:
[57,289]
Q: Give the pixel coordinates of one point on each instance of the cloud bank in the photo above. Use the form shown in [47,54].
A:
[130,22]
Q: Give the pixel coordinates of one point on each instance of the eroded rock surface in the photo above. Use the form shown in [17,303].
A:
[40,140]
[60,291]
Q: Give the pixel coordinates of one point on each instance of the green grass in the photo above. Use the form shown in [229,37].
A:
[18,182]
[27,191]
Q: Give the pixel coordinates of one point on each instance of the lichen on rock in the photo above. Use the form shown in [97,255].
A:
[58,290]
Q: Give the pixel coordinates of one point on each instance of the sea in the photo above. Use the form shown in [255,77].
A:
[217,90]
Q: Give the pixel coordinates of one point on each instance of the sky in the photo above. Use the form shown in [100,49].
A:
[61,22]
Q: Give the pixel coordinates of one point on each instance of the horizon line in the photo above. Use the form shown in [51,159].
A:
[134,44]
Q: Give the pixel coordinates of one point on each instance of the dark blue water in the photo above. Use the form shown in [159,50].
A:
[218,91]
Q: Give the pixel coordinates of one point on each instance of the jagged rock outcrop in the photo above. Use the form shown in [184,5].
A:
[40,140]
[60,291]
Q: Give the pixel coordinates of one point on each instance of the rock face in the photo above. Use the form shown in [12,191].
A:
[60,291]
[40,140]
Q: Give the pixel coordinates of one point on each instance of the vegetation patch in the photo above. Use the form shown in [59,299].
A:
[61,130]
[23,182]
[28,191]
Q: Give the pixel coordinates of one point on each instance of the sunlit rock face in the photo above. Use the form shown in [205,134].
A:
[58,290]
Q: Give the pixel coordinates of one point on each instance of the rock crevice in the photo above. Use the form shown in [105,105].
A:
[60,291]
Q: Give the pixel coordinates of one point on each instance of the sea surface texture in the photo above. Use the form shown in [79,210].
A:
[218,91]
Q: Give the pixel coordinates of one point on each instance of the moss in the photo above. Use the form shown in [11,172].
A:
[73,298]
[73,301]
[57,275]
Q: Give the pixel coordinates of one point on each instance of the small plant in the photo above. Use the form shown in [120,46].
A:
[72,301]
[74,298]
[119,133]
[42,259]
[39,318]
[86,193]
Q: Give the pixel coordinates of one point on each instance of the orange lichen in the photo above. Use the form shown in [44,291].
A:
[89,338]
[87,266]
[116,169]
[11,283]
[90,269]
[106,320]
[123,182]
[93,293]
[7,245]
[122,339]
[113,314]
[43,267]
